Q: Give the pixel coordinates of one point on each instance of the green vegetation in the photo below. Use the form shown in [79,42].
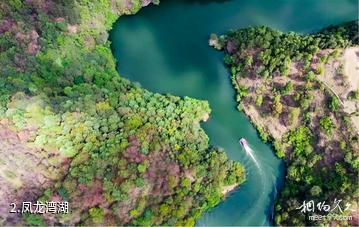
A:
[327,125]
[334,104]
[33,220]
[277,106]
[278,75]
[355,95]
[287,88]
[301,140]
[118,153]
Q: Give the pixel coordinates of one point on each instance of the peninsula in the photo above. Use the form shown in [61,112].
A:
[302,94]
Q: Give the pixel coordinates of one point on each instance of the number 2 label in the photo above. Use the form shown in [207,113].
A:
[13,210]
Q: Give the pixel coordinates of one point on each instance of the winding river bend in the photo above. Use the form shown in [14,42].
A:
[165,49]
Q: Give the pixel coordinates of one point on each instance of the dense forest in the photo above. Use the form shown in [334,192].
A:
[295,90]
[73,130]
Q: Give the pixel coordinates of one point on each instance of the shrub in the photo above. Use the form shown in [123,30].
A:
[326,124]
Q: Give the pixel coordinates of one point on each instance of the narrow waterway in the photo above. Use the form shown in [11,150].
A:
[165,49]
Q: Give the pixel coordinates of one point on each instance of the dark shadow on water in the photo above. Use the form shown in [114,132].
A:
[275,193]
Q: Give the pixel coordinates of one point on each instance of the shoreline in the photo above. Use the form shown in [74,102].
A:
[228,189]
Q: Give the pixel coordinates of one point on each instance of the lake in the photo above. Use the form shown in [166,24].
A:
[165,49]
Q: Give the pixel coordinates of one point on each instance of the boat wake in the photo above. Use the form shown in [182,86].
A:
[249,152]
[264,182]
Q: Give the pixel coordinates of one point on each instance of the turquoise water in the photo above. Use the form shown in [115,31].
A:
[165,49]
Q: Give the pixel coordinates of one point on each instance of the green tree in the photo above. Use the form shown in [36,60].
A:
[277,105]
[326,124]
[287,88]
[334,104]
[315,190]
[294,116]
[249,61]
[96,215]
[259,100]
[33,220]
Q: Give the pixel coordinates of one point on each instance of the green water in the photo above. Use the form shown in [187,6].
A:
[165,48]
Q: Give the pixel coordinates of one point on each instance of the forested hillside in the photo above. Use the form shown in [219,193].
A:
[301,92]
[73,130]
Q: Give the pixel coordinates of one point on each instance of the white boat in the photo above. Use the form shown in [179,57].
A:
[243,141]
